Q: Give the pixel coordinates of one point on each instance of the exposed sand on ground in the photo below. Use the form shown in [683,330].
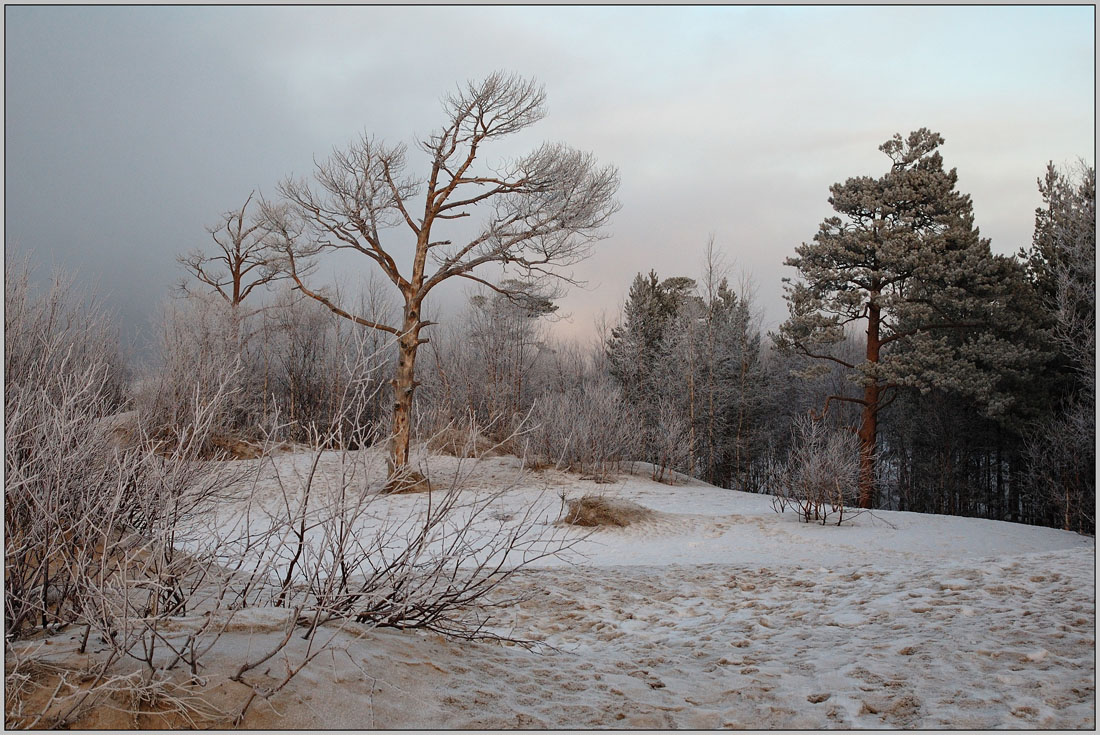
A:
[716,612]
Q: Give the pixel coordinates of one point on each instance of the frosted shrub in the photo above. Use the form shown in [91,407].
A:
[820,477]
[309,360]
[202,344]
[71,492]
[155,553]
[668,441]
[585,428]
[291,359]
[62,378]
[53,336]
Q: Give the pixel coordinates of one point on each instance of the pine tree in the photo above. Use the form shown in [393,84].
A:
[905,260]
[636,345]
[646,355]
[1061,265]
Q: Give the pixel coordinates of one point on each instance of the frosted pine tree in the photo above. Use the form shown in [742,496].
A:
[634,345]
[730,385]
[904,261]
[646,355]
[739,384]
[1061,264]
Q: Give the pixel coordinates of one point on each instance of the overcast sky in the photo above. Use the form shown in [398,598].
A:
[127,130]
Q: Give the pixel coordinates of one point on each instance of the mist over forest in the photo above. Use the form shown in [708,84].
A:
[365,407]
[917,370]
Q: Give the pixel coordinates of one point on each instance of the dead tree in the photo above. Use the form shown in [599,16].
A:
[539,213]
[241,263]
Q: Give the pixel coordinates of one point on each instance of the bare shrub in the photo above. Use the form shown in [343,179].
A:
[483,371]
[53,335]
[586,428]
[433,566]
[158,555]
[291,359]
[820,476]
[500,377]
[668,440]
[155,551]
[202,341]
[597,510]
[91,526]
[62,379]
[310,359]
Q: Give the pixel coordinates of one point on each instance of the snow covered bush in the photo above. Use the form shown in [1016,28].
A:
[586,428]
[291,358]
[821,474]
[157,554]
[62,379]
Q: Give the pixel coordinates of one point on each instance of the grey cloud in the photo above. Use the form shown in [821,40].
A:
[129,129]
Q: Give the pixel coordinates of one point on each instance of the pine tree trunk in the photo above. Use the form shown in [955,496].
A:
[868,429]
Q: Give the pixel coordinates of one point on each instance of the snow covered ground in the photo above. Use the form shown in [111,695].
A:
[718,612]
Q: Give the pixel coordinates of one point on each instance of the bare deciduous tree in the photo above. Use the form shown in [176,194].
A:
[541,211]
[242,263]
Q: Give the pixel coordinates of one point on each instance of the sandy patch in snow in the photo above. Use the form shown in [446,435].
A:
[717,612]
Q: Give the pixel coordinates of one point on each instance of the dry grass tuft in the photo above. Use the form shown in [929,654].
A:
[217,447]
[126,702]
[236,448]
[463,442]
[409,482]
[596,510]
[536,464]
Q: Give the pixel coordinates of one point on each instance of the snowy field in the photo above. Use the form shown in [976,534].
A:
[717,612]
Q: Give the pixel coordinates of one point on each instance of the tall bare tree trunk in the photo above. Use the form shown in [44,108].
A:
[741,467]
[404,384]
[868,428]
[691,401]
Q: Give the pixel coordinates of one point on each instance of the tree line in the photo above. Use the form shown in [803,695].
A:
[964,379]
